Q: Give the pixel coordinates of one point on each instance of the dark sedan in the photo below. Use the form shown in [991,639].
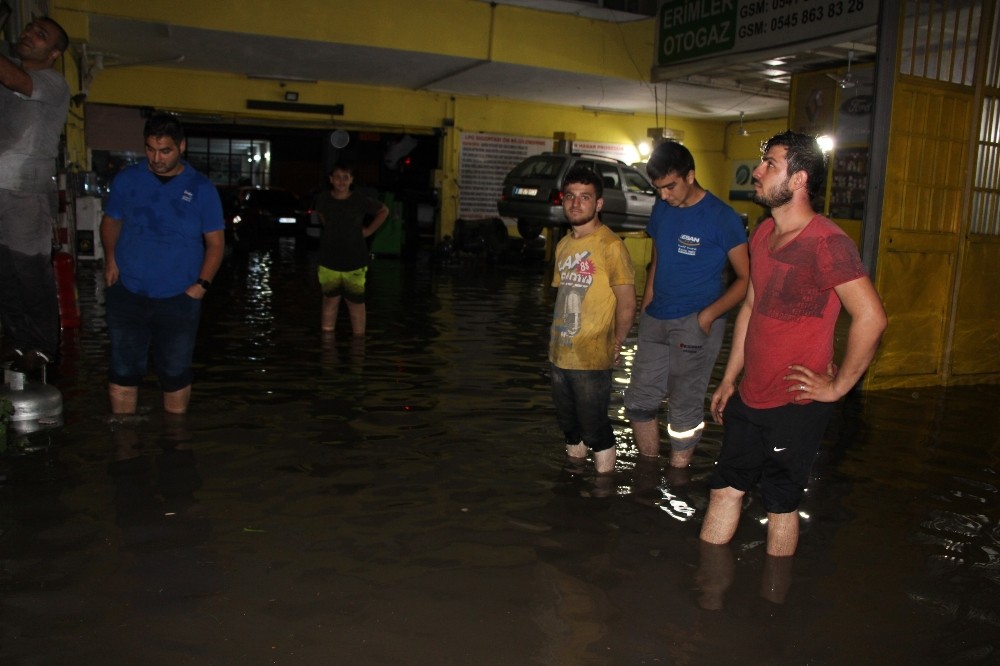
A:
[260,213]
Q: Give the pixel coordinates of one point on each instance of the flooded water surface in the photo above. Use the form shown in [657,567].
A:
[405,499]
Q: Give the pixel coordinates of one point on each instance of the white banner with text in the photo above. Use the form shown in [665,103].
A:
[484,160]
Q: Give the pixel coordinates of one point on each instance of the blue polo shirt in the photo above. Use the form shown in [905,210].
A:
[161,247]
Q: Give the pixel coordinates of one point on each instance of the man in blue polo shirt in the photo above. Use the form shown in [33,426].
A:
[163,236]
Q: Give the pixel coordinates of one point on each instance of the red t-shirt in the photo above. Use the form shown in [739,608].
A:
[795,306]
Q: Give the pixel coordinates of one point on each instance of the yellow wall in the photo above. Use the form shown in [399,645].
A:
[518,36]
[450,27]
[76,149]
[401,110]
[745,149]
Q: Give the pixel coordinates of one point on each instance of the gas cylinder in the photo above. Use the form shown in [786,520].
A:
[65,272]
[37,405]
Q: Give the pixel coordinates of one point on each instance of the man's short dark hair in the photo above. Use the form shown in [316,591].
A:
[667,158]
[343,165]
[804,154]
[164,124]
[584,176]
[62,39]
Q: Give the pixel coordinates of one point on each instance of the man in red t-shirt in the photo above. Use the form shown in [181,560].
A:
[802,269]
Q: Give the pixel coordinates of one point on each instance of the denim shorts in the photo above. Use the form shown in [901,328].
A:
[582,398]
[138,324]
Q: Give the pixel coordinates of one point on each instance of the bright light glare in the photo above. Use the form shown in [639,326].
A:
[825,142]
[644,149]
[630,154]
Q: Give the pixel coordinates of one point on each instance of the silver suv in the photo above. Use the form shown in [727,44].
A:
[532,192]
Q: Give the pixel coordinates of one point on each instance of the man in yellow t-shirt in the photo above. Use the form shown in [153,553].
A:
[594,311]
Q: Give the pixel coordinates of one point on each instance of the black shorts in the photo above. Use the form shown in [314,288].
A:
[774,446]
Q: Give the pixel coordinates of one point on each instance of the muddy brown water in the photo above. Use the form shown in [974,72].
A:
[405,500]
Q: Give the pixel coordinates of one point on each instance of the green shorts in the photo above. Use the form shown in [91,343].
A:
[349,284]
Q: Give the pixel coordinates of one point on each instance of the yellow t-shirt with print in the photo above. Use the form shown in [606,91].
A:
[583,324]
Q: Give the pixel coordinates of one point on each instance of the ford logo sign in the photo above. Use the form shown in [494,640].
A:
[859,105]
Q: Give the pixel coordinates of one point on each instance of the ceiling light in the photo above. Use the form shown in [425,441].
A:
[274,77]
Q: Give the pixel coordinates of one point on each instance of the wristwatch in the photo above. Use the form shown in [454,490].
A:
[205,284]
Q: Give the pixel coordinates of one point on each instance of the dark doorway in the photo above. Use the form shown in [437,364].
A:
[299,159]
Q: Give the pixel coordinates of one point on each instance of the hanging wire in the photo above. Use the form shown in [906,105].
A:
[666,97]
[625,43]
[740,103]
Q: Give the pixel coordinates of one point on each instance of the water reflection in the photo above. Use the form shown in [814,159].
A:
[164,532]
[406,499]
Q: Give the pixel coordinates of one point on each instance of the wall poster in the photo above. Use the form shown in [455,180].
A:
[484,160]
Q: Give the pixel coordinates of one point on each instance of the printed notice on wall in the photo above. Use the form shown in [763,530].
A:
[483,162]
[617,151]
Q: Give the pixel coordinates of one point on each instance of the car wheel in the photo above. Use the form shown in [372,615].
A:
[529,229]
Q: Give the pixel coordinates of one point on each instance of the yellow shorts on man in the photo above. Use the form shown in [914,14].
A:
[349,284]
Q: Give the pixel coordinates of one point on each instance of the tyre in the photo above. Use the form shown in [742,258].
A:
[529,229]
[496,236]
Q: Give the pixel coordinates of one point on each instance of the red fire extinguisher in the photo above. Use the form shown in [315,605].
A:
[65,272]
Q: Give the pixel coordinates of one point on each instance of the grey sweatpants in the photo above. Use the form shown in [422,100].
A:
[674,361]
